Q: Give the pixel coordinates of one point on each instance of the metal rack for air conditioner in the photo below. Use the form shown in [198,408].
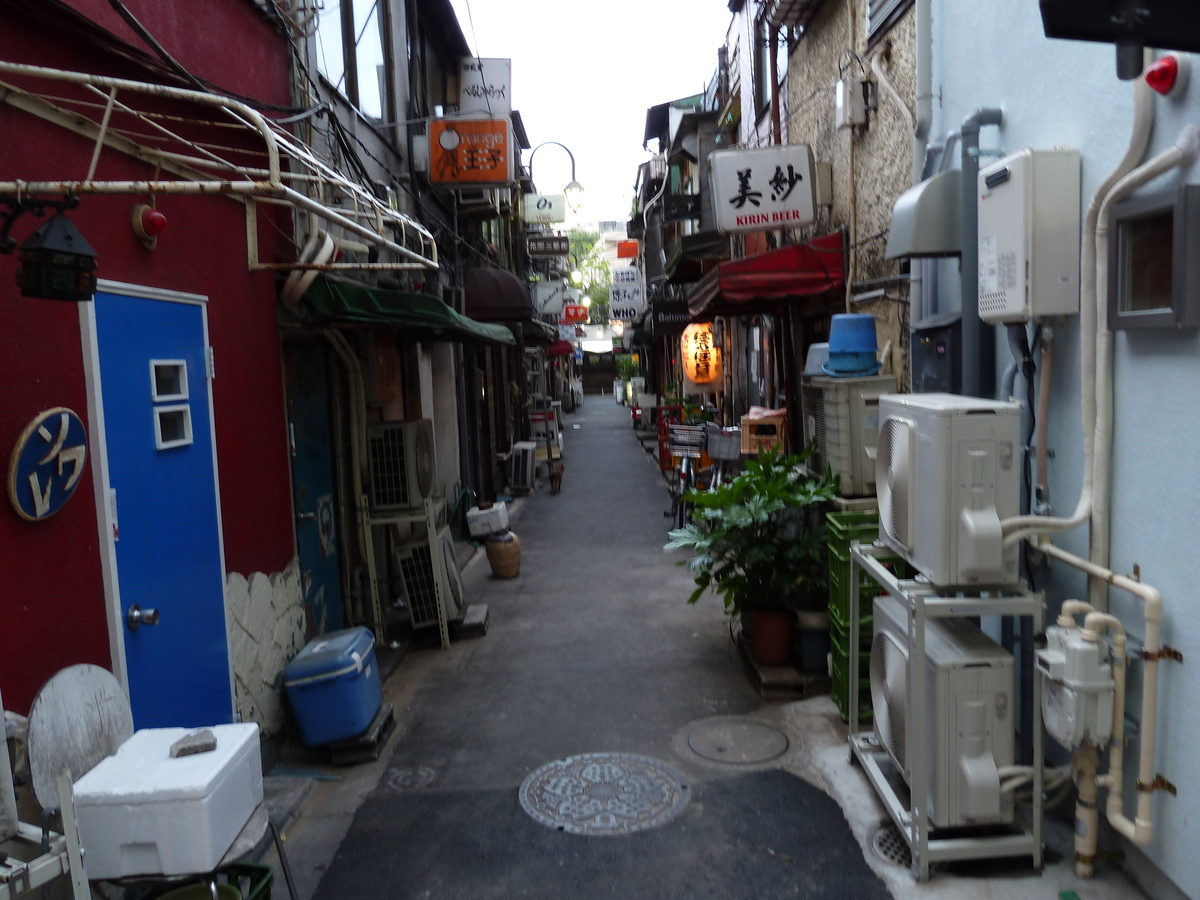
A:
[912,819]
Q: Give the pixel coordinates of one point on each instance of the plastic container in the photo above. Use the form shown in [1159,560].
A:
[818,355]
[333,685]
[853,345]
[143,813]
[482,522]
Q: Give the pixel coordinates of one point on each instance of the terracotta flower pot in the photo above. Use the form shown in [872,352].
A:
[771,636]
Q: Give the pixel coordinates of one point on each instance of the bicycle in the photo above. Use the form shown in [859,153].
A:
[686,442]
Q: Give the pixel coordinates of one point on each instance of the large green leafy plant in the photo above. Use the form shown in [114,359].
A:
[760,540]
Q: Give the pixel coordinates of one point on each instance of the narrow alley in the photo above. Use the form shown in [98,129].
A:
[592,649]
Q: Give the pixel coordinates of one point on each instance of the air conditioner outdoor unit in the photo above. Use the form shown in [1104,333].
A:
[521,465]
[968,719]
[841,420]
[947,471]
[402,464]
[429,570]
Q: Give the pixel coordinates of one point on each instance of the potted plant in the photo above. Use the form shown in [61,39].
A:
[760,542]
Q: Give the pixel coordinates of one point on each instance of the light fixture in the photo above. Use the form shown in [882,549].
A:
[574,190]
[148,224]
[576,276]
[586,301]
[56,262]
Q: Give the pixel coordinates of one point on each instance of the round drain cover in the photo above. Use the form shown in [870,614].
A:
[889,845]
[604,793]
[737,742]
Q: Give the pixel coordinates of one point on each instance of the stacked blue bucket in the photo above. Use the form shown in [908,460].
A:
[853,347]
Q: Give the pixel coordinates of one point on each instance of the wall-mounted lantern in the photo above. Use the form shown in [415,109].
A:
[56,262]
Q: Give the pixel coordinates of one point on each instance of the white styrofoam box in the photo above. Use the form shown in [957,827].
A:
[482,522]
[1029,236]
[841,417]
[143,813]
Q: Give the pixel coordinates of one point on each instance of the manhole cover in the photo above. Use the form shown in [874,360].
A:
[889,845]
[604,793]
[738,742]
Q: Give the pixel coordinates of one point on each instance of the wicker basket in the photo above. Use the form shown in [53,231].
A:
[504,557]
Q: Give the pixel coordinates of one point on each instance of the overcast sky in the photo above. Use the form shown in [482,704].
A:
[584,74]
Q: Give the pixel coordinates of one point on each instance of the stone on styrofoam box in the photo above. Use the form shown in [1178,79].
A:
[237,597]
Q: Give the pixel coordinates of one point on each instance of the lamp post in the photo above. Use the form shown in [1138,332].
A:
[574,190]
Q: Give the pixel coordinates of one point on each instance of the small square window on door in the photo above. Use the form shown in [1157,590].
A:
[168,379]
[172,426]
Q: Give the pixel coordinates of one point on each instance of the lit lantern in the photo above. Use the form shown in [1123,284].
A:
[701,355]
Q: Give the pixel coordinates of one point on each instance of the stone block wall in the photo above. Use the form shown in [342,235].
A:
[267,629]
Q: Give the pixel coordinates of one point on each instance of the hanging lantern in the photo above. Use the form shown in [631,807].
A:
[701,355]
[57,263]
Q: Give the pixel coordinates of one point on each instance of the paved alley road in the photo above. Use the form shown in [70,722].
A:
[593,648]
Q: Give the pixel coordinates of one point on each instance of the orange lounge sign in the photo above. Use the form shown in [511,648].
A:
[470,151]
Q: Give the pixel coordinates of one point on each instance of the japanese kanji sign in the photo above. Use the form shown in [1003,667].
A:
[573,314]
[763,189]
[484,85]
[548,245]
[627,294]
[47,464]
[701,355]
[470,151]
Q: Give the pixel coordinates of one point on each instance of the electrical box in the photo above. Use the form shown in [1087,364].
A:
[850,104]
[1029,236]
[936,365]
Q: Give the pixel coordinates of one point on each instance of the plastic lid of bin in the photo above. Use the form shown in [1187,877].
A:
[330,656]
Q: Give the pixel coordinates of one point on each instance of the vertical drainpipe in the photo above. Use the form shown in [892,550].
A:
[924,119]
[978,340]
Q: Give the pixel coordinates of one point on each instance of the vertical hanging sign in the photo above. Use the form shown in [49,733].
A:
[627,294]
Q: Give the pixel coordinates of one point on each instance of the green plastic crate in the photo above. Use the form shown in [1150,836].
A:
[839,633]
[838,687]
[868,587]
[844,527]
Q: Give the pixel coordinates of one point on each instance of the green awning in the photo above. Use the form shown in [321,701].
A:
[330,301]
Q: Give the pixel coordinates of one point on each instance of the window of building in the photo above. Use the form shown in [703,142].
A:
[350,52]
[882,15]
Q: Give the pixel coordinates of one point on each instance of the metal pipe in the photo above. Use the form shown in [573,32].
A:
[924,118]
[978,340]
[1041,490]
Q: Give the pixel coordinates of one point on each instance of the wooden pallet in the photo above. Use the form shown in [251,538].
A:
[780,682]
[368,745]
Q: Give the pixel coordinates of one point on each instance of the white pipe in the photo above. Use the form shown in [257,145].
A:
[1084,762]
[924,42]
[304,256]
[1183,153]
[299,281]
[1070,609]
[1140,829]
[1020,527]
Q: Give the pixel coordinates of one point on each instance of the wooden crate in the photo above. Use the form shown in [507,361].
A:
[764,434]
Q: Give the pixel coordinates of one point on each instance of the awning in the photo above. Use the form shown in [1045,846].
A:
[331,301]
[768,280]
[560,348]
[535,332]
[497,295]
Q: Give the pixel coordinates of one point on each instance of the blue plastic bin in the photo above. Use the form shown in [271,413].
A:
[853,345]
[333,686]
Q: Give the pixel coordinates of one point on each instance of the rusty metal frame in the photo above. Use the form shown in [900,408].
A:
[307,183]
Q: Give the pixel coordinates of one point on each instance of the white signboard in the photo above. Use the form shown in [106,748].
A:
[485,85]
[763,189]
[545,208]
[549,296]
[566,333]
[627,294]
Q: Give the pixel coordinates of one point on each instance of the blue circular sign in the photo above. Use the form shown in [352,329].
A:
[47,464]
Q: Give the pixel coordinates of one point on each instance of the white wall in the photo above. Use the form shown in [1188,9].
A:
[1066,93]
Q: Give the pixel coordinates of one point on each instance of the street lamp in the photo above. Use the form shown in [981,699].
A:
[574,190]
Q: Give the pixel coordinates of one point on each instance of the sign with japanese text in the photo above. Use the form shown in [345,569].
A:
[701,356]
[549,297]
[485,85]
[470,151]
[47,463]
[627,294]
[763,189]
[548,245]
[573,314]
[544,208]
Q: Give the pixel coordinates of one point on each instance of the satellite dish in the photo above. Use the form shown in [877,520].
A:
[79,717]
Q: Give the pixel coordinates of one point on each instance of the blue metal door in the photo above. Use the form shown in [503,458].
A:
[312,485]
[159,440]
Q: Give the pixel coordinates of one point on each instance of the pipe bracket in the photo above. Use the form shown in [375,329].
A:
[1164,652]
[1158,784]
